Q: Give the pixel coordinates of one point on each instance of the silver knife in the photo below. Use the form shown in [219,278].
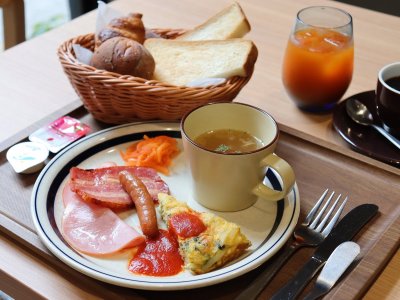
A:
[345,230]
[335,266]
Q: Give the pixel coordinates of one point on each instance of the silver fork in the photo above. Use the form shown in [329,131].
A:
[309,234]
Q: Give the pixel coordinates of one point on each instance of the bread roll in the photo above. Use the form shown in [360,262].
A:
[130,27]
[124,56]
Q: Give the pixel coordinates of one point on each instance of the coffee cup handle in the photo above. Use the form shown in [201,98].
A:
[286,173]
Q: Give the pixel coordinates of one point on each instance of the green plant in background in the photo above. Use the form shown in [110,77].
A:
[53,22]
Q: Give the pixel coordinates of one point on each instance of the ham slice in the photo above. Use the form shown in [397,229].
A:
[102,186]
[93,229]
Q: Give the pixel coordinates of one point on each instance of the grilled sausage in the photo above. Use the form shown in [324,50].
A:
[143,202]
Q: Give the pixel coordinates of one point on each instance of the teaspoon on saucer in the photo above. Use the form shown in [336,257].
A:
[360,114]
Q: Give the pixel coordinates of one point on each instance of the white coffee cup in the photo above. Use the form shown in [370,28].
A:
[234,181]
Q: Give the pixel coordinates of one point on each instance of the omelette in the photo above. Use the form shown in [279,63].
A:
[206,241]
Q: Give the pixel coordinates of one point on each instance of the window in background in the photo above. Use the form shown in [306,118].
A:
[41,16]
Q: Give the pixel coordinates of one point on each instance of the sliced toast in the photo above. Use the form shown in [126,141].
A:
[229,23]
[180,62]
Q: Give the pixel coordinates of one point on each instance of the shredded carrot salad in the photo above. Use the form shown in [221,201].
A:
[156,153]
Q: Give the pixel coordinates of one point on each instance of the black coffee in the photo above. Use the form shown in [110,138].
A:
[394,82]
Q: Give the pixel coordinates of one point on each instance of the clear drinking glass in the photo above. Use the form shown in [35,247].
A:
[318,63]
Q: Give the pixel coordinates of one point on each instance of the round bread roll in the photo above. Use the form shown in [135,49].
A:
[124,56]
[130,27]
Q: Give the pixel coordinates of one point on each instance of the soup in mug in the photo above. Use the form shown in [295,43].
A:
[228,141]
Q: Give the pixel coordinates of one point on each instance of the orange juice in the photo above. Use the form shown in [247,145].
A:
[318,66]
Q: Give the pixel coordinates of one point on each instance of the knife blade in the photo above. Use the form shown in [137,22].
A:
[344,231]
[337,263]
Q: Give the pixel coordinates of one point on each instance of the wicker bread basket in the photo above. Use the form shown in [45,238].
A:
[116,99]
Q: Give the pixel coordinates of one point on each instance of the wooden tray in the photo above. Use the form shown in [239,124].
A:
[316,168]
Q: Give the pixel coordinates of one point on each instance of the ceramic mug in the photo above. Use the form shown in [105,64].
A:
[234,181]
[388,98]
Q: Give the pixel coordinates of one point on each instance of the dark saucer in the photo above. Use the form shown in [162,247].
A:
[364,139]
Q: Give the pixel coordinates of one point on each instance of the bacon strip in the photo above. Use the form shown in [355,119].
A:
[102,185]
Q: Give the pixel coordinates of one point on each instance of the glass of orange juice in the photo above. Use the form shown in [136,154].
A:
[318,63]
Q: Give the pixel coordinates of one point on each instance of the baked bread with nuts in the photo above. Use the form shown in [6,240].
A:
[124,56]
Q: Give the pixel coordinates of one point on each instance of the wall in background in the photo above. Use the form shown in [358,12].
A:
[391,7]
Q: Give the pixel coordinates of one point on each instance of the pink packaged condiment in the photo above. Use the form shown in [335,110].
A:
[60,133]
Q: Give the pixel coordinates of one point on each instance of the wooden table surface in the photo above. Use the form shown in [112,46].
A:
[33,85]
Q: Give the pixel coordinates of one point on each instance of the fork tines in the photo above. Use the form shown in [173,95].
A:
[314,222]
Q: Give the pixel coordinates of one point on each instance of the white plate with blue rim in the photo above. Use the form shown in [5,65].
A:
[268,225]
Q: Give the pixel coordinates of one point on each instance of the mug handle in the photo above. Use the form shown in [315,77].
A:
[286,173]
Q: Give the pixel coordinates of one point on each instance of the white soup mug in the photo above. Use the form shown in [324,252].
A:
[233,181]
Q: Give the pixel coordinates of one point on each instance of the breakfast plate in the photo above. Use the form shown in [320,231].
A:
[268,225]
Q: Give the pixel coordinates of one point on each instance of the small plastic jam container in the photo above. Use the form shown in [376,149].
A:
[27,157]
